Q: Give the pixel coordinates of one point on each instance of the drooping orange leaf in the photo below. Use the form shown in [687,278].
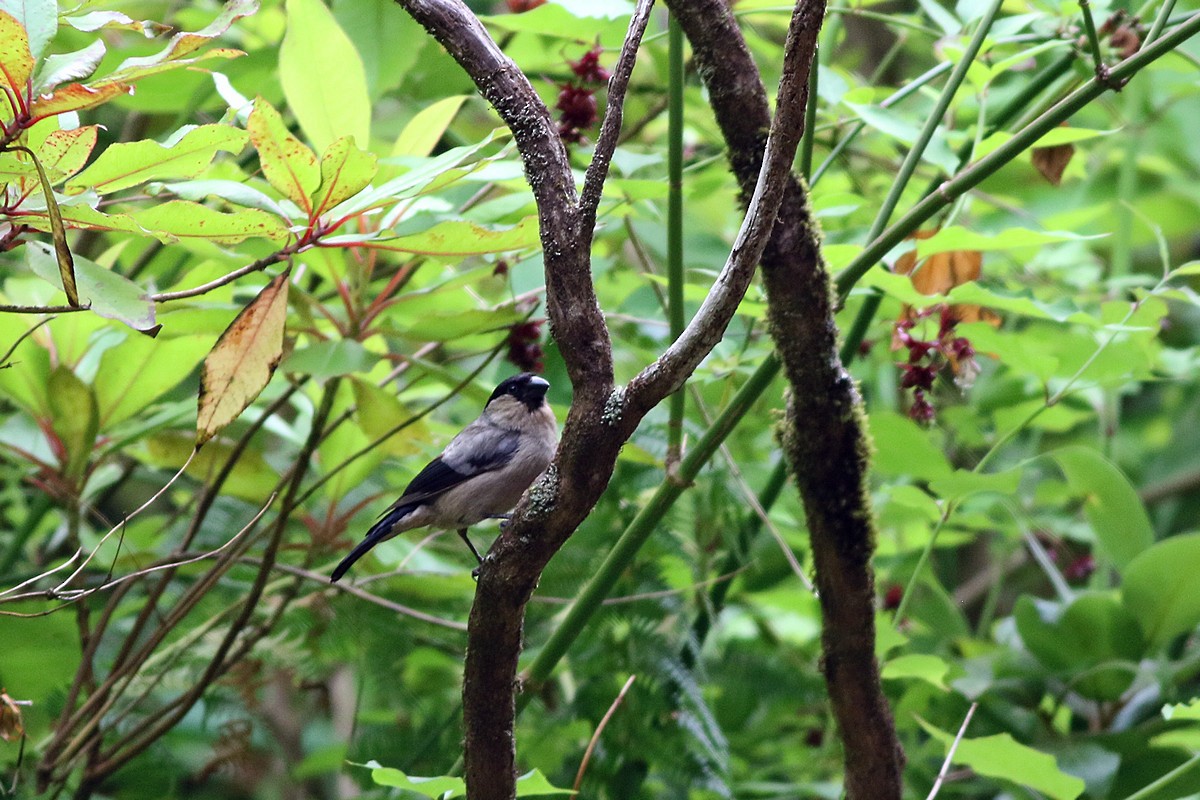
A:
[76,97]
[241,363]
[1053,161]
[12,727]
[941,272]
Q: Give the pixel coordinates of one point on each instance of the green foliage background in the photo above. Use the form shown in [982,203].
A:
[1077,439]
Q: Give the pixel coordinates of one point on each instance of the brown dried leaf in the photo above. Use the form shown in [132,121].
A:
[241,363]
[941,272]
[12,726]
[1053,161]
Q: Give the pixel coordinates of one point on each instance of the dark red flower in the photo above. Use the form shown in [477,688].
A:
[588,68]
[525,347]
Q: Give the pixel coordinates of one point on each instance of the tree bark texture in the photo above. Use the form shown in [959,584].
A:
[602,416]
[824,432]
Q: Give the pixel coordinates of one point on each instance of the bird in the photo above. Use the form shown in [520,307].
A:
[481,474]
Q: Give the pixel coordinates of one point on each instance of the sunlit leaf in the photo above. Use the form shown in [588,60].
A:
[423,131]
[138,371]
[69,66]
[182,219]
[39,18]
[64,153]
[345,171]
[324,360]
[463,238]
[184,155]
[328,103]
[287,163]
[241,363]
[186,43]
[76,97]
[920,666]
[16,61]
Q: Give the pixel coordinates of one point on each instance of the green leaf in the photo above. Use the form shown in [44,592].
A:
[535,784]
[959,238]
[1054,138]
[138,371]
[1094,640]
[287,163]
[64,153]
[1113,508]
[181,219]
[423,131]
[920,666]
[1189,710]
[1160,588]
[900,287]
[184,44]
[68,67]
[252,477]
[345,171]
[324,360]
[903,448]
[1002,757]
[184,156]
[243,360]
[962,483]
[329,103]
[531,784]
[75,419]
[462,238]
[104,291]
[426,787]
[39,18]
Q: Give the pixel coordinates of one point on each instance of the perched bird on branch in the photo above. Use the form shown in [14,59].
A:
[481,474]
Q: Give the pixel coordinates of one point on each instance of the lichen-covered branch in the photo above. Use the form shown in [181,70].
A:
[602,417]
[823,434]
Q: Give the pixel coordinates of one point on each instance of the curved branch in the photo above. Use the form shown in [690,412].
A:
[610,128]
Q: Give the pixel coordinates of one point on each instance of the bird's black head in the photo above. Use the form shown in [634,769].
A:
[530,389]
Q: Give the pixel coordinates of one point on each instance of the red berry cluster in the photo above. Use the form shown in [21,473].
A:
[525,345]
[926,357]
[577,100]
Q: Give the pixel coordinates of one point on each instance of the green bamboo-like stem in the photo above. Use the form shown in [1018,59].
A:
[859,329]
[677,402]
[991,163]
[810,122]
[909,89]
[644,524]
[1160,22]
[1089,26]
[935,117]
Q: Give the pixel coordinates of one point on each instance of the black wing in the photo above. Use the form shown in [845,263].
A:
[467,456]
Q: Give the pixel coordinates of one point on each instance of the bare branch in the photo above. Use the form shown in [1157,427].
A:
[587,754]
[962,729]
[610,128]
[705,330]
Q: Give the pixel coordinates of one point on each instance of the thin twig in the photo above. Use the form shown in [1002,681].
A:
[587,754]
[937,784]
[610,127]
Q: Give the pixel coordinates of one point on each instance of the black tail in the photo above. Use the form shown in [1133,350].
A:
[381,531]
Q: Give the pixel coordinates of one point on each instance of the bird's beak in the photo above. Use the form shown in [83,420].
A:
[540,382]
